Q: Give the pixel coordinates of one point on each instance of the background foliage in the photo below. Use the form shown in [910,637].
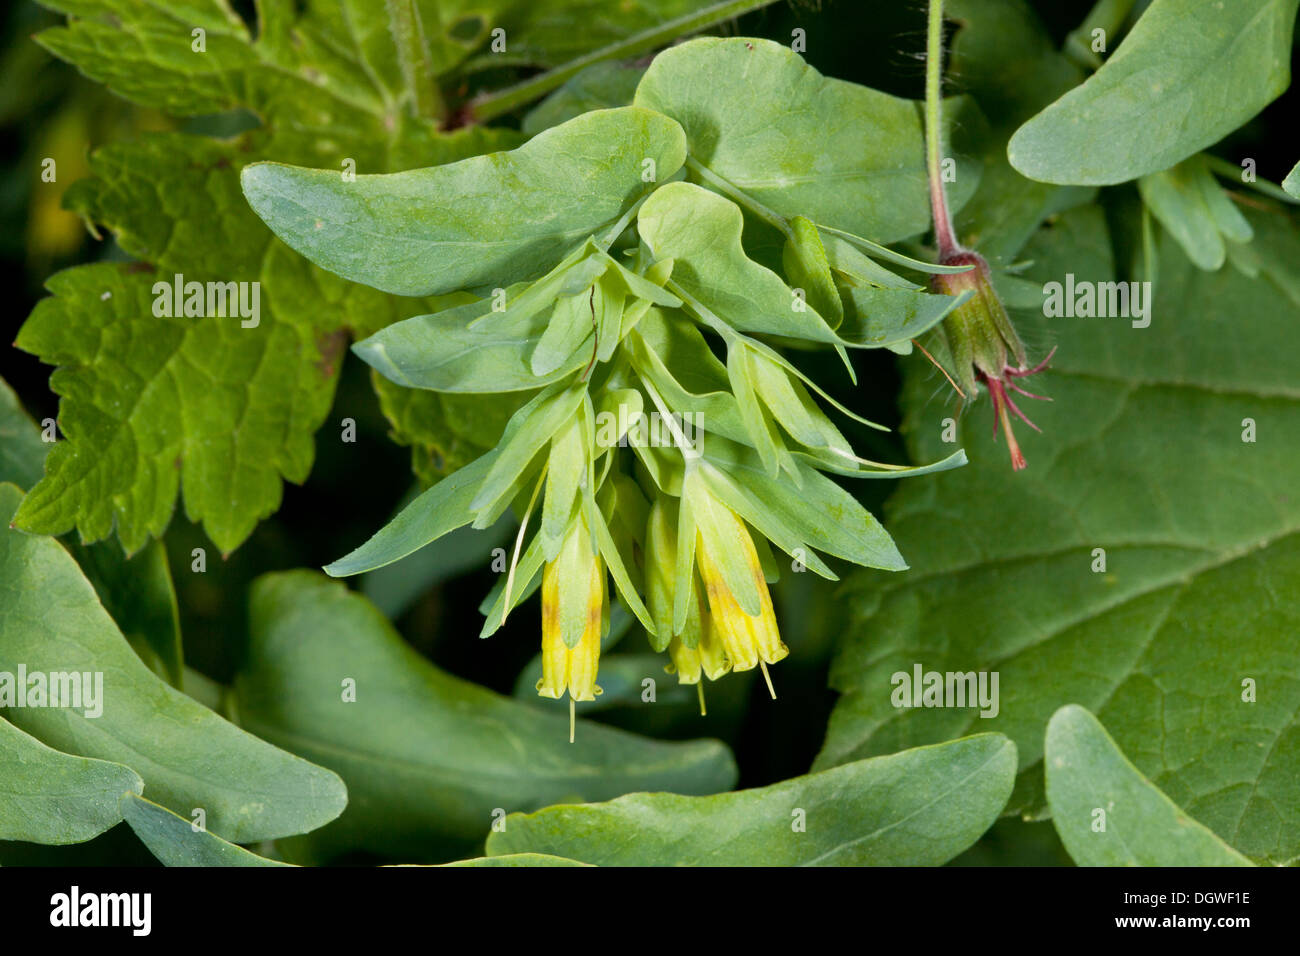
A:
[1140,457]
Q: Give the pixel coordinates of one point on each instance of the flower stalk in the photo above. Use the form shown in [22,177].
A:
[978,334]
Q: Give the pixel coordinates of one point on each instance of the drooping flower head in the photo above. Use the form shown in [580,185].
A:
[983,344]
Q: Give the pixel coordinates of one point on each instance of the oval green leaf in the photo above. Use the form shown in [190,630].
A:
[485,221]
[1189,73]
[802,144]
[52,622]
[428,757]
[1108,814]
[175,841]
[55,798]
[916,808]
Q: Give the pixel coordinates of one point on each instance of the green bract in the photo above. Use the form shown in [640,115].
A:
[1189,203]
[489,219]
[760,120]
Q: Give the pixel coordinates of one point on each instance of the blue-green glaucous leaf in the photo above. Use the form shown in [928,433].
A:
[481,222]
[759,117]
[920,807]
[1108,813]
[1187,74]
[188,756]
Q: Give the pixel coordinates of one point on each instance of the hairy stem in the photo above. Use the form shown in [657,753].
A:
[944,235]
[498,104]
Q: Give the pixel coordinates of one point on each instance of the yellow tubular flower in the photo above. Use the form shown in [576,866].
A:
[747,639]
[573,602]
[696,648]
[707,656]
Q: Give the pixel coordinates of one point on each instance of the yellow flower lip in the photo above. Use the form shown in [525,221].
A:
[748,639]
[576,575]
[707,657]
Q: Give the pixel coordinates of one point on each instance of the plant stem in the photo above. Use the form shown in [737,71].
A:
[498,104]
[772,218]
[413,55]
[1227,170]
[944,235]
[1107,16]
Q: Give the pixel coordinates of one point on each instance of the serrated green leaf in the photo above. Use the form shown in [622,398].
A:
[548,32]
[1187,74]
[56,798]
[493,219]
[337,57]
[802,144]
[52,621]
[175,841]
[174,201]
[151,403]
[1142,456]
[917,808]
[147,53]
[1107,813]
[427,756]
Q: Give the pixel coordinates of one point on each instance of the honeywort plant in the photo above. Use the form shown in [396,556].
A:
[608,279]
[637,293]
